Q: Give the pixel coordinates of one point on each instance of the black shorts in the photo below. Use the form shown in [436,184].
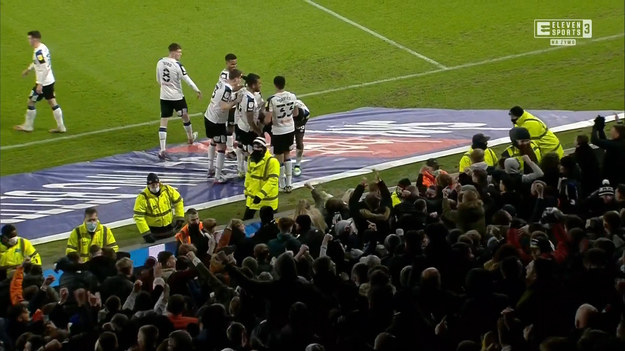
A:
[169,106]
[282,143]
[47,92]
[215,131]
[244,139]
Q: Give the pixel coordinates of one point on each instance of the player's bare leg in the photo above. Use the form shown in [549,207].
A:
[58,117]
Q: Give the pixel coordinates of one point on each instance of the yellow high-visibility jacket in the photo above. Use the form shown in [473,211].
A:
[490,157]
[513,151]
[80,240]
[14,256]
[261,180]
[157,211]
[540,134]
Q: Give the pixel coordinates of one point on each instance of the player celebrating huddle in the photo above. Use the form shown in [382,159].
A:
[215,120]
[44,87]
[247,112]
[280,110]
[169,74]
[300,129]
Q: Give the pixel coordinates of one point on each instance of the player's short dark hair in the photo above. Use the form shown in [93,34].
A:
[191,211]
[91,210]
[251,78]
[176,304]
[279,82]
[174,47]
[35,34]
[235,73]
[230,57]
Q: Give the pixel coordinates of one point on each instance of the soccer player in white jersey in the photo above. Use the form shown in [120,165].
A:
[169,74]
[280,110]
[231,63]
[300,129]
[247,127]
[44,86]
[215,120]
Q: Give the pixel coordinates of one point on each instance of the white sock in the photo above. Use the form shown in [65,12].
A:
[282,175]
[162,138]
[189,129]
[211,156]
[298,156]
[229,142]
[288,167]
[29,121]
[240,159]
[58,116]
[220,163]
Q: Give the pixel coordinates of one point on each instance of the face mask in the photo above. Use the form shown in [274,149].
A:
[257,155]
[155,190]
[12,241]
[91,226]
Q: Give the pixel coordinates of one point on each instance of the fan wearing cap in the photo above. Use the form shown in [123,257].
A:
[15,249]
[90,232]
[159,210]
[521,144]
[539,132]
[261,179]
[480,141]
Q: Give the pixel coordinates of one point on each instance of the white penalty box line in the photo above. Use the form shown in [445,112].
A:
[376,34]
[327,91]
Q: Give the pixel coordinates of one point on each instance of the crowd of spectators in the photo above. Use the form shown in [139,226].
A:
[518,254]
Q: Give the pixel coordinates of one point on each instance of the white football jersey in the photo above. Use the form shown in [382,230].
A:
[248,104]
[169,74]
[43,66]
[214,113]
[300,104]
[223,76]
[281,106]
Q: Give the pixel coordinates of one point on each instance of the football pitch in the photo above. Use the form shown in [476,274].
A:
[336,55]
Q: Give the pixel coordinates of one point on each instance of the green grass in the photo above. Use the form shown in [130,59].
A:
[104,55]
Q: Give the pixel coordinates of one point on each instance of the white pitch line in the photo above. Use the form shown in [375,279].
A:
[322,92]
[376,34]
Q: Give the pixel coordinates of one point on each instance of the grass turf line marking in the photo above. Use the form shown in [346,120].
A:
[322,92]
[375,34]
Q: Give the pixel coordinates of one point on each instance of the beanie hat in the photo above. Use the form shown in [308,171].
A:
[606,189]
[512,166]
[480,139]
[518,133]
[153,178]
[516,111]
[261,141]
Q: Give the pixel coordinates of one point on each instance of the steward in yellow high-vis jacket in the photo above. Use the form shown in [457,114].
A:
[261,179]
[14,249]
[521,145]
[480,141]
[539,132]
[90,232]
[159,210]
